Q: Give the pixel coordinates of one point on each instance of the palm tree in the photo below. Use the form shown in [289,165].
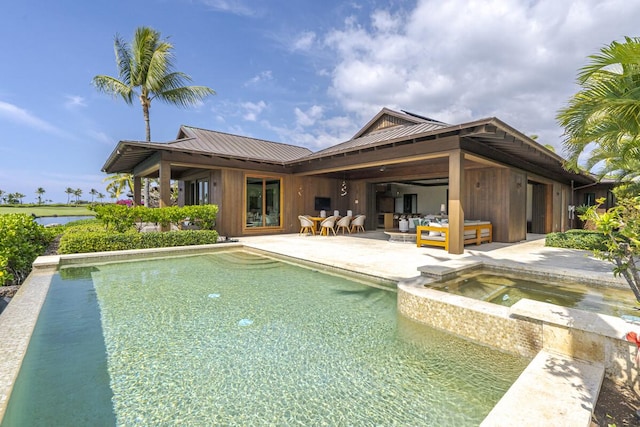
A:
[19,196]
[69,191]
[100,197]
[77,192]
[145,71]
[93,192]
[40,191]
[119,183]
[606,111]
[2,193]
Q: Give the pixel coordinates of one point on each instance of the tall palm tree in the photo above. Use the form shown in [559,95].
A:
[93,193]
[145,71]
[100,197]
[2,193]
[40,191]
[69,191]
[606,110]
[77,192]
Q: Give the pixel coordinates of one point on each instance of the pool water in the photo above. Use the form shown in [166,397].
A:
[506,289]
[236,338]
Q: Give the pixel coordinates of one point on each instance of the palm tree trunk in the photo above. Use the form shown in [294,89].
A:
[145,111]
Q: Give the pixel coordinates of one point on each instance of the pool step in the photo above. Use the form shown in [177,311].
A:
[554,390]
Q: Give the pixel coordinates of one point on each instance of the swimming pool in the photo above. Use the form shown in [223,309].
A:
[237,338]
[506,289]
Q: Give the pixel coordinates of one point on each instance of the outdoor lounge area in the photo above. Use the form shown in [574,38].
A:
[437,234]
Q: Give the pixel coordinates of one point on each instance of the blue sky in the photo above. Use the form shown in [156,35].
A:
[308,73]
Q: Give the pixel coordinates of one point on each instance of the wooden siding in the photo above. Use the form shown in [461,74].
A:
[387,121]
[497,195]
[298,194]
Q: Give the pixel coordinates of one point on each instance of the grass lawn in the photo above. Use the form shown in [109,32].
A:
[44,210]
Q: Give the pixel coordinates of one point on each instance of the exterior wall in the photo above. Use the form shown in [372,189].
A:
[498,195]
[298,194]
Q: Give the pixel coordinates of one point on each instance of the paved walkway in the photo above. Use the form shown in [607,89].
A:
[371,253]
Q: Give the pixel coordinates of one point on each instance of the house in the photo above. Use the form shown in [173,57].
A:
[398,162]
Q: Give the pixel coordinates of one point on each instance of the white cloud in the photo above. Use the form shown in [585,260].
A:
[260,78]
[235,7]
[463,60]
[252,110]
[309,117]
[304,41]
[74,102]
[18,115]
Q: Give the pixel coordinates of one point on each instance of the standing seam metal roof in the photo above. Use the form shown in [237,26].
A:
[381,136]
[224,144]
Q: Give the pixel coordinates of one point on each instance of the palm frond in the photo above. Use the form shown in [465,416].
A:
[114,87]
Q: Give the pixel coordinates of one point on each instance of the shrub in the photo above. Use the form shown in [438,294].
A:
[22,240]
[122,218]
[98,241]
[577,239]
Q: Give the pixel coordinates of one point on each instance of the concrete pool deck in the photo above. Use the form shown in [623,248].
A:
[575,385]
[371,253]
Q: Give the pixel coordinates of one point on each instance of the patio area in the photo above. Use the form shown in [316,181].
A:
[373,254]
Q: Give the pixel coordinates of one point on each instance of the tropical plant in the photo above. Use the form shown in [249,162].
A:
[100,197]
[77,192]
[119,183]
[17,197]
[69,191]
[621,228]
[40,191]
[145,71]
[2,193]
[606,110]
[22,240]
[93,193]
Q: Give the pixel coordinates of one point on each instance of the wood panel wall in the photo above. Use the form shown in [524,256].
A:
[498,195]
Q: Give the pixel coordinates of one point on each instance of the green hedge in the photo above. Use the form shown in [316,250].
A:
[121,217]
[22,240]
[577,239]
[98,241]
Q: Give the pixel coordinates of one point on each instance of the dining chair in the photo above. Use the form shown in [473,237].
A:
[344,224]
[306,225]
[358,223]
[328,224]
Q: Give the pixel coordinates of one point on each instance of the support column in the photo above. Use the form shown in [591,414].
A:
[165,184]
[456,207]
[137,190]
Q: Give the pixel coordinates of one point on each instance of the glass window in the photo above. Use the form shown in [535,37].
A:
[589,199]
[199,194]
[263,202]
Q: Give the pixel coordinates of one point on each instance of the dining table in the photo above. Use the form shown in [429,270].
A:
[317,220]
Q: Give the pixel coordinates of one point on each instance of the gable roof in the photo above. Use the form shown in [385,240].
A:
[387,118]
[386,126]
[490,138]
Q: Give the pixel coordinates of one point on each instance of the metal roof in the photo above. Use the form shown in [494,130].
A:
[224,144]
[128,154]
[384,136]
[489,137]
